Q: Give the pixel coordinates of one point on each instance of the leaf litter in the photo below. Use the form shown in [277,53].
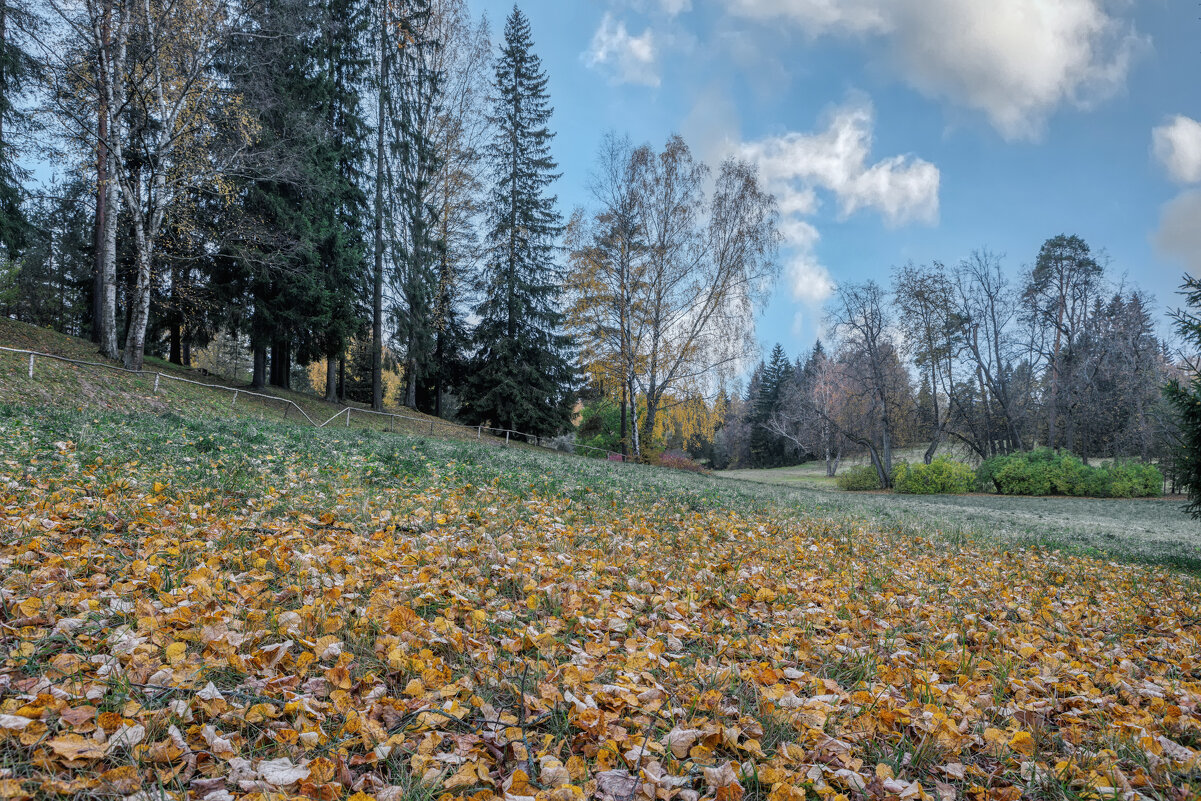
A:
[343,631]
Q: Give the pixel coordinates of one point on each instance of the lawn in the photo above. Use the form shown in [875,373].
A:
[196,608]
[1153,530]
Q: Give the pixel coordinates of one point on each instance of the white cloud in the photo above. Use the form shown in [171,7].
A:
[627,58]
[902,188]
[1177,146]
[798,166]
[1017,61]
[674,7]
[1179,234]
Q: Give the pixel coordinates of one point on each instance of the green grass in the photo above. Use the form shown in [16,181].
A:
[61,385]
[1155,531]
[112,411]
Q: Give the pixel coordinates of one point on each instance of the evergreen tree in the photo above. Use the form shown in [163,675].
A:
[343,67]
[1186,398]
[15,70]
[768,449]
[522,375]
[416,96]
[299,257]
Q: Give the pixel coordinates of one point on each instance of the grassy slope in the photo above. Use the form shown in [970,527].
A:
[1152,532]
[68,386]
[810,651]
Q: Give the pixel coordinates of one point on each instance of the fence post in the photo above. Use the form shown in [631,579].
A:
[348,417]
[431,428]
[479,432]
[235,400]
[287,408]
[31,365]
[156,378]
[506,436]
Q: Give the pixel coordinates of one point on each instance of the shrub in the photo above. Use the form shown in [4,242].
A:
[941,477]
[858,479]
[986,474]
[679,461]
[1044,472]
[1017,476]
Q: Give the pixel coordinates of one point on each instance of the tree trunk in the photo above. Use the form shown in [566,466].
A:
[281,364]
[258,376]
[411,383]
[331,379]
[135,337]
[175,356]
[113,63]
[624,447]
[883,474]
[100,229]
[342,377]
[377,296]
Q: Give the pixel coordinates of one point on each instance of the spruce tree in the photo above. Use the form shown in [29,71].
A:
[768,449]
[416,96]
[522,376]
[300,254]
[15,70]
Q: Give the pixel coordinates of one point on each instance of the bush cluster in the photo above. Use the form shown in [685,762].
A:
[1045,472]
[678,460]
[941,477]
[858,479]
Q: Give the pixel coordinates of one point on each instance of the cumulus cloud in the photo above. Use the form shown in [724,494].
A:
[1016,61]
[1179,234]
[626,58]
[902,189]
[798,167]
[1177,146]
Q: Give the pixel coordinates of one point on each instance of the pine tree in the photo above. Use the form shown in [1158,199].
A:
[522,376]
[1186,398]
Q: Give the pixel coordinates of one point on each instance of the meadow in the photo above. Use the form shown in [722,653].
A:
[200,606]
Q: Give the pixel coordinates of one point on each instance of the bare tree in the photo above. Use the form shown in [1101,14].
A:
[810,413]
[710,262]
[668,276]
[162,119]
[608,260]
[859,318]
[986,308]
[933,338]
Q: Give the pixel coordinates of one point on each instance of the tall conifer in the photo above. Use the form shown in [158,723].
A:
[522,377]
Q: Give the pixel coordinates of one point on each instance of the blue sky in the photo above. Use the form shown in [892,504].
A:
[898,130]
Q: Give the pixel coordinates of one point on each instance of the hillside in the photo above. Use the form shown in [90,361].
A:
[222,609]
[61,385]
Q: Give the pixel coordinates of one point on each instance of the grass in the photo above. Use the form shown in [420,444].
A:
[66,386]
[792,633]
[1152,531]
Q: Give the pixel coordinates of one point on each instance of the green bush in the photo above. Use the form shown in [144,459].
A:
[941,477]
[858,479]
[1045,472]
[1018,476]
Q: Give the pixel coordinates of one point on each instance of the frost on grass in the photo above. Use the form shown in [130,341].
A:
[196,616]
